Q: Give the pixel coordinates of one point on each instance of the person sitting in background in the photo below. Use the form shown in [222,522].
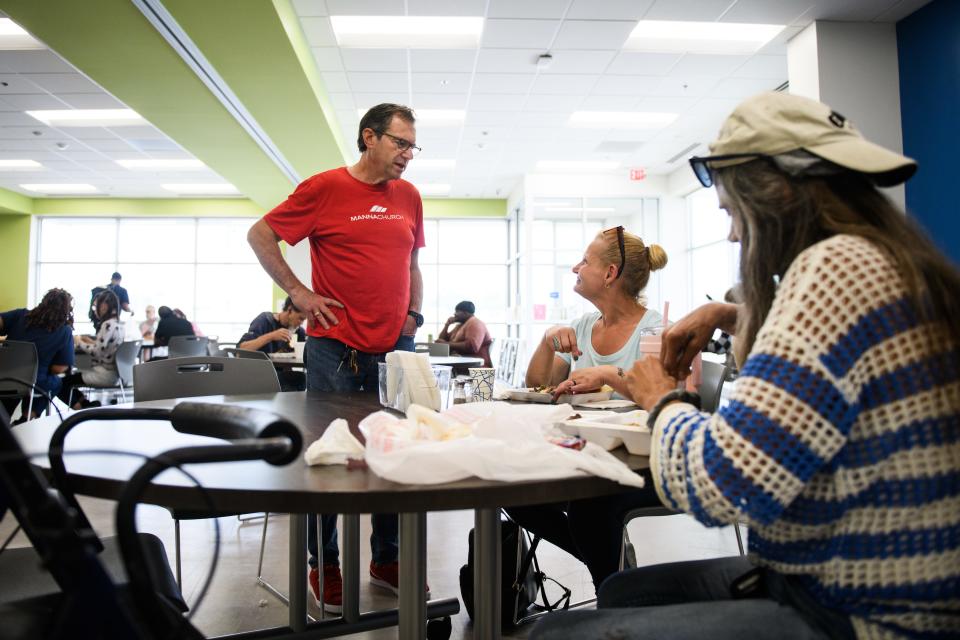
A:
[170,326]
[839,446]
[272,333]
[469,337]
[148,326]
[49,326]
[595,350]
[180,314]
[103,348]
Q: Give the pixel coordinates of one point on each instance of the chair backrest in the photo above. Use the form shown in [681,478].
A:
[186,346]
[213,347]
[507,362]
[127,357]
[438,349]
[233,352]
[711,384]
[421,347]
[17,360]
[203,376]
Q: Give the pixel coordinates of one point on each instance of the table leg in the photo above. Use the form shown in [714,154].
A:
[350,566]
[413,576]
[486,574]
[297,576]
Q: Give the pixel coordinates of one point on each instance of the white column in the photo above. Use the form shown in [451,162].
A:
[853,67]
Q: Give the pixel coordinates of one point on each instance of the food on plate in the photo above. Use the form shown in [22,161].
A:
[544,389]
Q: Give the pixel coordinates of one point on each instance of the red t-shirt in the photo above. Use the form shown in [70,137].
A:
[361,238]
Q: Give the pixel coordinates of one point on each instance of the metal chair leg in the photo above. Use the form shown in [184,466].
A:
[736,528]
[176,546]
[269,587]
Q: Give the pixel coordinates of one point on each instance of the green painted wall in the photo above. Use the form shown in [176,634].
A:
[14,260]
[172,208]
[463,208]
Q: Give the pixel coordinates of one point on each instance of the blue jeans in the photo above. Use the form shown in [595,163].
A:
[686,601]
[332,366]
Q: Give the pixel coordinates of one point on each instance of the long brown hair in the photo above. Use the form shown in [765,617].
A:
[781,216]
[53,312]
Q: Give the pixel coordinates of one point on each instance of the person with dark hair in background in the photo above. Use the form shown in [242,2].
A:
[469,336]
[170,326]
[49,326]
[839,444]
[365,227]
[103,348]
[272,333]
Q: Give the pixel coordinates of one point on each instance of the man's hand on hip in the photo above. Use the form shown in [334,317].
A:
[409,327]
[316,307]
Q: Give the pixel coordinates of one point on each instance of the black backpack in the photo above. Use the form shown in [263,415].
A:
[519,588]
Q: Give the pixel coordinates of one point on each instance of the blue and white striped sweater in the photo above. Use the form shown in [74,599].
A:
[840,446]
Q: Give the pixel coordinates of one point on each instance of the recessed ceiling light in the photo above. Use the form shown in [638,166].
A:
[436,117]
[214,189]
[13,36]
[577,165]
[162,164]
[89,117]
[621,119]
[407,32]
[20,164]
[725,38]
[433,163]
[60,188]
[433,189]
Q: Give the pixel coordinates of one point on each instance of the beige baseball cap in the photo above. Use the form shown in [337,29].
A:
[773,123]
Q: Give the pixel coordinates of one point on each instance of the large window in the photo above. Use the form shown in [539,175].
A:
[714,260]
[202,266]
[465,259]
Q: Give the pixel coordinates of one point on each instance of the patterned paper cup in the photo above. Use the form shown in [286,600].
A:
[481,379]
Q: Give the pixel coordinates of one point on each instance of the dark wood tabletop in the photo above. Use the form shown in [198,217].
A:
[295,488]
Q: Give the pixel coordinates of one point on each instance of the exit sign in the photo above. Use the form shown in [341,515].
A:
[638,174]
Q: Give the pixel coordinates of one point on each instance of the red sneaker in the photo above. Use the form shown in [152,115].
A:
[388,576]
[332,587]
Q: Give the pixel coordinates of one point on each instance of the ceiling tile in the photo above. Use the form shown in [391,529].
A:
[434,60]
[528,34]
[36,101]
[766,12]
[141,133]
[687,86]
[762,66]
[501,83]
[439,100]
[570,61]
[900,10]
[659,104]
[609,103]
[626,85]
[16,119]
[778,46]
[441,82]
[688,10]
[374,59]
[697,64]
[327,58]
[318,32]
[112,144]
[593,34]
[563,103]
[538,119]
[445,7]
[13,83]
[34,61]
[608,9]
[389,82]
[367,100]
[741,88]
[645,64]
[492,118]
[63,82]
[24,133]
[310,7]
[336,82]
[507,60]
[91,101]
[342,101]
[365,7]
[564,84]
[496,101]
[525,9]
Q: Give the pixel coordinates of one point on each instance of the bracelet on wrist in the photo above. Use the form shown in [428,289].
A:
[677,395]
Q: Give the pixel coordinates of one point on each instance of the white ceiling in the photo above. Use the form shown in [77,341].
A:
[516,114]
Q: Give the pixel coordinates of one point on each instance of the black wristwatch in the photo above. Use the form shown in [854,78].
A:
[416,316]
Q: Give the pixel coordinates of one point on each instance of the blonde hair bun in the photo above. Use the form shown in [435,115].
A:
[658,257]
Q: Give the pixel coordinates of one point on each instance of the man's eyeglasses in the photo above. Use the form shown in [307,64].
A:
[403,145]
[623,252]
[701,166]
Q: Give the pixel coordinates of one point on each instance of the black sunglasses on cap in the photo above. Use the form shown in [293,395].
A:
[623,253]
[701,166]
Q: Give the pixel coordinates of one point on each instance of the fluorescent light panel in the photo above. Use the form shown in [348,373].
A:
[433,189]
[60,188]
[20,164]
[724,38]
[89,117]
[162,164]
[13,36]
[214,189]
[407,32]
[577,165]
[621,119]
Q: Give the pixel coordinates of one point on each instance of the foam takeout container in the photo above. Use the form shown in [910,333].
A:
[612,430]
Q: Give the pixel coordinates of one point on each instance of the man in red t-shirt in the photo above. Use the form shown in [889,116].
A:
[365,226]
[470,337]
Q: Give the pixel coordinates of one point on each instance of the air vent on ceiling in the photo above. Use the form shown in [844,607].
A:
[617,146]
[683,152]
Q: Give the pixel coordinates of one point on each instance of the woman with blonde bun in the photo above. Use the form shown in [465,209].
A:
[596,349]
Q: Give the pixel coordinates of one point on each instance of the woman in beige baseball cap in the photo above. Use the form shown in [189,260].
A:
[840,445]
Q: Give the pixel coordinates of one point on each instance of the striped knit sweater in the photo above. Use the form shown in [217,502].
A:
[840,446]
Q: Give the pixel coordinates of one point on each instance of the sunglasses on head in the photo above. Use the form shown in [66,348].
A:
[701,166]
[623,253]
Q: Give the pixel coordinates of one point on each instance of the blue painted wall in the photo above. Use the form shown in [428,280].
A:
[928,43]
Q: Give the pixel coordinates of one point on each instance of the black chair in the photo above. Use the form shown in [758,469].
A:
[251,354]
[18,360]
[187,346]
